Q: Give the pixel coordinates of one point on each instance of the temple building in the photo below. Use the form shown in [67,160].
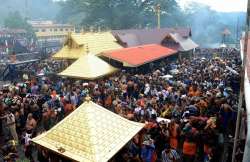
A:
[91,133]
[78,44]
[88,67]
[49,31]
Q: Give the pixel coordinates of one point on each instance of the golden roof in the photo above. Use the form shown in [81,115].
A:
[91,133]
[89,67]
[95,42]
[69,53]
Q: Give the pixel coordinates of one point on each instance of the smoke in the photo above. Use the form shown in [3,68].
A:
[31,9]
[207,25]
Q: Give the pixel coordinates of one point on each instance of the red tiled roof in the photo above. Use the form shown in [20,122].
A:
[136,56]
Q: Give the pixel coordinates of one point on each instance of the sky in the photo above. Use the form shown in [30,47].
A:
[221,5]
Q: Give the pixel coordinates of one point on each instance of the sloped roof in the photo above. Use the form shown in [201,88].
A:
[186,44]
[136,56]
[88,67]
[69,53]
[226,31]
[95,43]
[136,37]
[130,39]
[89,38]
[91,133]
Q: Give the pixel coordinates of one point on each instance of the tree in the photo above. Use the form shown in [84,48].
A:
[117,14]
[207,24]
[15,21]
[33,9]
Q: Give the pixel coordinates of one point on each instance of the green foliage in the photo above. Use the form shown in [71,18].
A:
[117,14]
[33,9]
[207,25]
[15,21]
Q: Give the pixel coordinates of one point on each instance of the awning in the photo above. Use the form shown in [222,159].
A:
[186,44]
[136,56]
[91,133]
[88,67]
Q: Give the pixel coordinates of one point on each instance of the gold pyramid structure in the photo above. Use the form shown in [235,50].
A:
[88,67]
[77,44]
[91,133]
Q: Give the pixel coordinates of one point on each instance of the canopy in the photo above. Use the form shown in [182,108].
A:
[82,43]
[136,56]
[88,67]
[186,44]
[91,133]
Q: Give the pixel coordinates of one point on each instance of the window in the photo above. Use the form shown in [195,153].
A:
[36,30]
[51,30]
[66,29]
[55,30]
[72,29]
[61,29]
[43,30]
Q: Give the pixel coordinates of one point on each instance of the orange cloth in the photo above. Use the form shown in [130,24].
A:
[150,125]
[189,148]
[173,142]
[173,136]
[154,157]
[207,149]
[130,115]
[141,102]
[108,101]
[68,108]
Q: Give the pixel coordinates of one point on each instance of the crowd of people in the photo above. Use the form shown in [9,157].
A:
[189,108]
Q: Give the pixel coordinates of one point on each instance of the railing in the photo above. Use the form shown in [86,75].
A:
[22,56]
[5,72]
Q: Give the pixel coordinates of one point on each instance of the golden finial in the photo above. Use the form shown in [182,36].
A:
[61,149]
[88,98]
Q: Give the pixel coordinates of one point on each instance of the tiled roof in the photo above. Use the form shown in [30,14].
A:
[95,43]
[137,37]
[136,56]
[69,53]
[88,67]
[91,133]
[185,44]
